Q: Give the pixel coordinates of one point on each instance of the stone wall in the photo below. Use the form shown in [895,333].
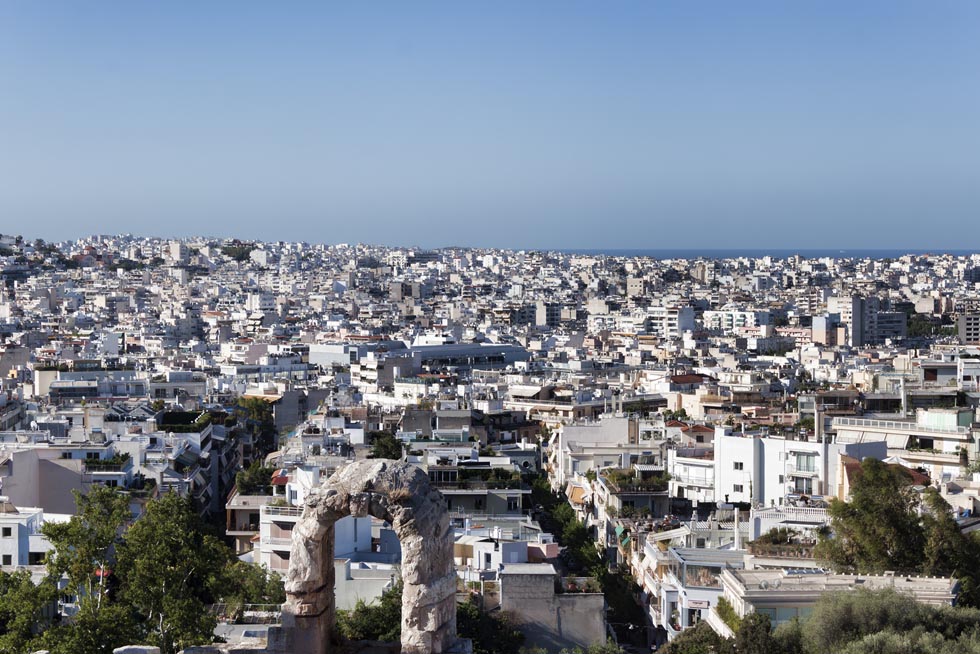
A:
[549,620]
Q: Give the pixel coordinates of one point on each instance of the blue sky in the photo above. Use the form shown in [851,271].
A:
[516,124]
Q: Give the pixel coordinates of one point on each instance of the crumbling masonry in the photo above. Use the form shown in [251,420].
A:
[400,494]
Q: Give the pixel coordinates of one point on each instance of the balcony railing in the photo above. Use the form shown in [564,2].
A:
[641,487]
[293,511]
[97,465]
[250,528]
[782,550]
[894,425]
[477,484]
[705,482]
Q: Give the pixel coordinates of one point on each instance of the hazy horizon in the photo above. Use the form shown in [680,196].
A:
[556,125]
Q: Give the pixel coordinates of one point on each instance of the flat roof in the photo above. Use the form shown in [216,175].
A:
[527,569]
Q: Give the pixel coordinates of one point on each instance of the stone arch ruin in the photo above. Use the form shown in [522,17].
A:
[400,494]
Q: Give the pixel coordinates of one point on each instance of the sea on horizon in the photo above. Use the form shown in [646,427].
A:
[758,253]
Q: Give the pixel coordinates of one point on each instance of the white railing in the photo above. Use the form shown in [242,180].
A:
[791,513]
[718,624]
[294,511]
[707,482]
[893,425]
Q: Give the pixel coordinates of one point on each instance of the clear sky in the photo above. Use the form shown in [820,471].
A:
[563,124]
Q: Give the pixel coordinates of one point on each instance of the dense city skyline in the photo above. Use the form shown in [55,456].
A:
[544,126]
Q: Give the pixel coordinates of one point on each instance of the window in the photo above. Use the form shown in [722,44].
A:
[781,480]
[739,465]
[806,462]
[7,532]
[512,504]
[6,559]
[737,488]
[699,438]
[803,485]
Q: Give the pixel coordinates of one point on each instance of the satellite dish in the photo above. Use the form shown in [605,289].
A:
[34,426]
[776,583]
[764,585]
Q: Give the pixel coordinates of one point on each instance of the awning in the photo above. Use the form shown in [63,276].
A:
[577,495]
[897,441]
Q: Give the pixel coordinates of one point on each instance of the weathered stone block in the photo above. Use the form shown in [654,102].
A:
[390,490]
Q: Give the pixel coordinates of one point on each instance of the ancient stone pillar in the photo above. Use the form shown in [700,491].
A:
[400,494]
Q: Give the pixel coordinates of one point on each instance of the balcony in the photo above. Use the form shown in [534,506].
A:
[279,543]
[801,471]
[478,484]
[899,427]
[113,464]
[702,482]
[782,550]
[244,529]
[622,483]
[287,511]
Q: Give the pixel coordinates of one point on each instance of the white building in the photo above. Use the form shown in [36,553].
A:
[933,441]
[787,594]
[692,474]
[773,471]
[21,541]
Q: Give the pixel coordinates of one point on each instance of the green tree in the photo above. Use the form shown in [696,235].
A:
[256,417]
[701,639]
[879,528]
[169,571]
[921,325]
[22,609]
[563,514]
[384,445]
[754,635]
[491,633]
[842,618]
[596,648]
[91,631]
[255,480]
[805,423]
[381,620]
[84,546]
[239,252]
[947,551]
[727,614]
[541,493]
[248,583]
[788,637]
